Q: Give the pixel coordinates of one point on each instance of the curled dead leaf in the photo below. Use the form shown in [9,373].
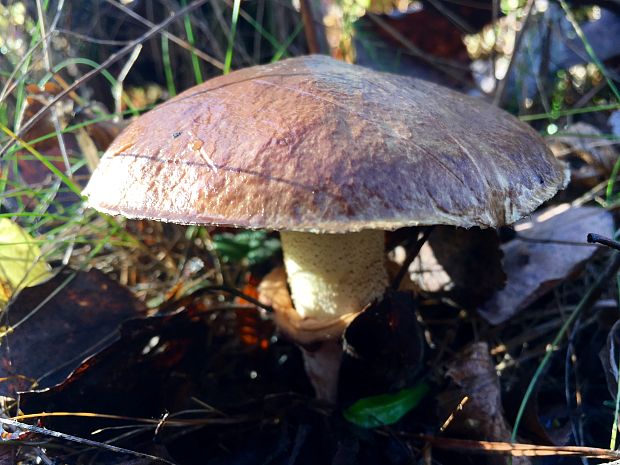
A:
[461,264]
[548,248]
[591,158]
[472,373]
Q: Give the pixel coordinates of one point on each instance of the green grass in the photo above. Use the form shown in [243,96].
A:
[190,38]
[165,54]
[48,215]
[584,303]
[570,112]
[233,31]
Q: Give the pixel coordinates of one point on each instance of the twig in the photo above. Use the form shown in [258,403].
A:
[312,17]
[186,300]
[92,40]
[501,85]
[260,12]
[411,255]
[552,241]
[48,65]
[598,239]
[117,89]
[87,442]
[457,19]
[171,420]
[180,42]
[516,449]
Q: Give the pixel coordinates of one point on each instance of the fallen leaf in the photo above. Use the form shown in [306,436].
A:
[547,249]
[21,263]
[131,376]
[383,349]
[481,416]
[591,158]
[419,42]
[240,404]
[461,264]
[53,326]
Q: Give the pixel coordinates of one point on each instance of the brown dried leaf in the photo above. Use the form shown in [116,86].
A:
[539,257]
[383,348]
[53,326]
[132,376]
[473,375]
[462,264]
[591,159]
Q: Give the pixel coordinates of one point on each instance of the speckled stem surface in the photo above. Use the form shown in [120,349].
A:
[334,274]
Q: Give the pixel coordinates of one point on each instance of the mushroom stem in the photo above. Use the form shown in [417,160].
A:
[334,274]
[322,364]
[331,275]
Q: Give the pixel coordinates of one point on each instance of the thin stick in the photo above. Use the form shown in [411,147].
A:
[312,17]
[517,449]
[598,239]
[501,85]
[117,89]
[185,300]
[86,442]
[411,255]
[48,65]
[180,42]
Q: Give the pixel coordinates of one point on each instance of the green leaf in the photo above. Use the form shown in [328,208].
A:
[251,247]
[229,249]
[264,251]
[385,409]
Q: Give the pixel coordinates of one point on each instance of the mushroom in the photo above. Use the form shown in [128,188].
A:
[331,155]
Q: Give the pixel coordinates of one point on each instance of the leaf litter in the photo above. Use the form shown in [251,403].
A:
[547,249]
[251,399]
[159,364]
[50,328]
[475,389]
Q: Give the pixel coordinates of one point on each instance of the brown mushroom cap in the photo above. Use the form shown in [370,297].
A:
[315,144]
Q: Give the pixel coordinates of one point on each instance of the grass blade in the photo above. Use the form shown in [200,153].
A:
[231,39]
[190,38]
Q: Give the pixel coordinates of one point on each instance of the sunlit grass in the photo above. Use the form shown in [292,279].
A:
[38,207]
